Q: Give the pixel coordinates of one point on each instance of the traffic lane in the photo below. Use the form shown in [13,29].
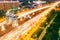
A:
[26,13]
[29,16]
[18,31]
[43,14]
[46,12]
[9,27]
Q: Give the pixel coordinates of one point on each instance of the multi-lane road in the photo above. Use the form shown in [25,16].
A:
[27,20]
[22,18]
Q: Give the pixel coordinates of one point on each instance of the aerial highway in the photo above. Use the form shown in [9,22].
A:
[33,17]
[21,19]
[27,36]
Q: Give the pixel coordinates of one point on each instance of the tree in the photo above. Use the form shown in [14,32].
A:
[2,13]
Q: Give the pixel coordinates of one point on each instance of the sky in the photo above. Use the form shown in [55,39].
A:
[47,0]
[50,0]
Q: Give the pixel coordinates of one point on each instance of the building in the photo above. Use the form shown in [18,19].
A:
[7,4]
